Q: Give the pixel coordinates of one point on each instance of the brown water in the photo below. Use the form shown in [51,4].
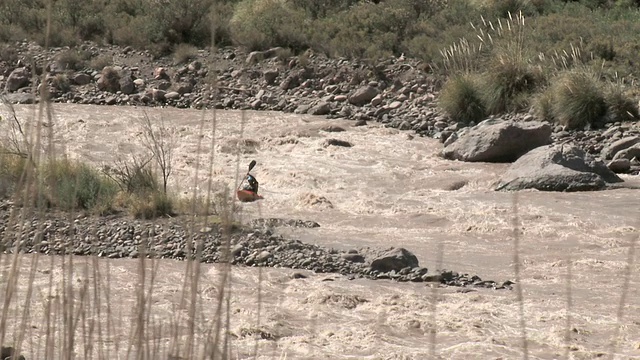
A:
[390,189]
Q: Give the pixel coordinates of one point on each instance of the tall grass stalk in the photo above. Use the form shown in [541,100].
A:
[516,269]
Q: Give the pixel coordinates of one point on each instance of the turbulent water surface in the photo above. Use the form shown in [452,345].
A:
[391,189]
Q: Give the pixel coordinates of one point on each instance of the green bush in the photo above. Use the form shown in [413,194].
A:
[577,99]
[12,167]
[71,185]
[461,99]
[366,30]
[261,24]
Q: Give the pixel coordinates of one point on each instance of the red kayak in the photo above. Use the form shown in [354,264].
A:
[248,196]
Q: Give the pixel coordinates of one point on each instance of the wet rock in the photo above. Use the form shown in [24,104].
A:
[336,142]
[394,259]
[557,168]
[497,141]
[332,128]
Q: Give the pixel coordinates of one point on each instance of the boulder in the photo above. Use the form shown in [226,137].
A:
[290,82]
[363,95]
[160,73]
[109,80]
[497,141]
[609,151]
[628,153]
[394,259]
[81,79]
[18,78]
[336,142]
[127,86]
[270,76]
[561,167]
[9,352]
[183,88]
[620,166]
[322,108]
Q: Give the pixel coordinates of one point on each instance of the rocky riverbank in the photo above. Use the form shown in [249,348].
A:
[252,245]
[398,92]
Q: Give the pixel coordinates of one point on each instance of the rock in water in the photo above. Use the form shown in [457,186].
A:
[395,259]
[502,141]
[557,168]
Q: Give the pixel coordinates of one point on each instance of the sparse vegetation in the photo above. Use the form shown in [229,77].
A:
[100,62]
[70,185]
[183,53]
[71,60]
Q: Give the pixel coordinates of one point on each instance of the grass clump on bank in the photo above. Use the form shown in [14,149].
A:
[71,185]
[461,98]
[577,100]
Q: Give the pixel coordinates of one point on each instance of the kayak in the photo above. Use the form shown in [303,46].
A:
[248,196]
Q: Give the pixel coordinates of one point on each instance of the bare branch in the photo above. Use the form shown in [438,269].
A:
[160,142]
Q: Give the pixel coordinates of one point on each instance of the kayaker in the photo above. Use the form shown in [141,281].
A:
[252,184]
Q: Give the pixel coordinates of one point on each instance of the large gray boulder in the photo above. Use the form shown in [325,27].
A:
[497,141]
[394,259]
[18,79]
[561,167]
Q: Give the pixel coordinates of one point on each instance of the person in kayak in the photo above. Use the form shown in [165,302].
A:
[252,184]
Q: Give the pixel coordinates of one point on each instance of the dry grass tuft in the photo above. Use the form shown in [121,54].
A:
[578,100]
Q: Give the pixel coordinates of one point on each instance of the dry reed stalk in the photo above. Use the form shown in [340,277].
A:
[433,302]
[518,280]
